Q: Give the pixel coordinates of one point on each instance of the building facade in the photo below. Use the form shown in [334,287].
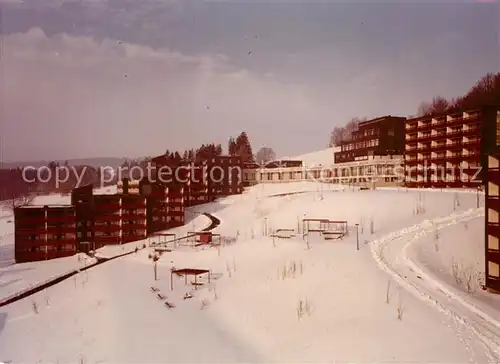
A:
[445,150]
[374,172]
[107,220]
[44,232]
[490,159]
[382,136]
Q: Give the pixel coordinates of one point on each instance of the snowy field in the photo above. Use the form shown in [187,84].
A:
[397,299]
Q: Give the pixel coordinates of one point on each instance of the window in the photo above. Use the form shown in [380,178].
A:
[390,132]
[498,128]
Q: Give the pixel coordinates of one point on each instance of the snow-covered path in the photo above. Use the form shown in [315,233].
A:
[391,253]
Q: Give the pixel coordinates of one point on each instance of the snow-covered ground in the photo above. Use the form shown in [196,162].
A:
[281,300]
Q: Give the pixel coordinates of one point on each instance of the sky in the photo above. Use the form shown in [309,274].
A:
[129,78]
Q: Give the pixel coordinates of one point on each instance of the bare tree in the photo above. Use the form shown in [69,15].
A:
[336,136]
[17,198]
[264,155]
[340,134]
[436,106]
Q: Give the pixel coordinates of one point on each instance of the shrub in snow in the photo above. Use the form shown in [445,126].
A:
[436,239]
[400,308]
[290,270]
[457,272]
[204,304]
[303,308]
[372,227]
[473,279]
[34,305]
[388,292]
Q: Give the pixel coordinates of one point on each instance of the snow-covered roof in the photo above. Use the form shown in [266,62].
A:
[322,157]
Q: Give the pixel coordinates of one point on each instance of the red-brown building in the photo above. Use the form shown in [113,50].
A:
[44,232]
[491,162]
[197,185]
[445,150]
[138,209]
[133,218]
[377,137]
[107,224]
[225,176]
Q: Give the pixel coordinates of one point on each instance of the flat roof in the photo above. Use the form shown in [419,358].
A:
[190,271]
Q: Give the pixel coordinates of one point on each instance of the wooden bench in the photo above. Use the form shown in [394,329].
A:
[332,235]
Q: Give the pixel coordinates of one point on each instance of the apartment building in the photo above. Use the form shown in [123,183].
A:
[44,232]
[383,136]
[445,150]
[491,162]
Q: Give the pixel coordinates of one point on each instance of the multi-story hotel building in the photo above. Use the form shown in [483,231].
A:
[44,232]
[491,165]
[382,136]
[445,150]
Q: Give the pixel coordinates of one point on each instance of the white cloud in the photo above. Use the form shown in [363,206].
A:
[68,96]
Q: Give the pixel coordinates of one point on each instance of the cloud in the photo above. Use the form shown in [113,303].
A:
[73,96]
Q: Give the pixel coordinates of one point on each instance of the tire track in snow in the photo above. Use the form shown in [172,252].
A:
[402,270]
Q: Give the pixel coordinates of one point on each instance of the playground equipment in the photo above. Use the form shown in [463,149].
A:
[283,233]
[189,272]
[199,238]
[329,229]
[161,239]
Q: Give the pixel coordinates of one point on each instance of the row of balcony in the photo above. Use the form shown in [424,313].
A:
[439,122]
[442,144]
[441,134]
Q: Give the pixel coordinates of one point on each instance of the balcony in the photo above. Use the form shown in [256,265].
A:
[471,156]
[425,126]
[65,241]
[454,132]
[60,218]
[438,158]
[115,206]
[455,146]
[30,219]
[106,239]
[424,148]
[107,228]
[61,229]
[438,122]
[440,147]
[425,137]
[133,216]
[471,131]
[134,205]
[107,217]
[134,226]
[411,125]
[454,158]
[23,231]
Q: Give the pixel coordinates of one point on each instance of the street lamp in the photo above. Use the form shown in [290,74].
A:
[357,236]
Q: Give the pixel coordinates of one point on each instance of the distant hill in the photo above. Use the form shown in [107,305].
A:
[94,162]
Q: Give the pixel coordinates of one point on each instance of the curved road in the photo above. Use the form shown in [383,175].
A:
[390,252]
